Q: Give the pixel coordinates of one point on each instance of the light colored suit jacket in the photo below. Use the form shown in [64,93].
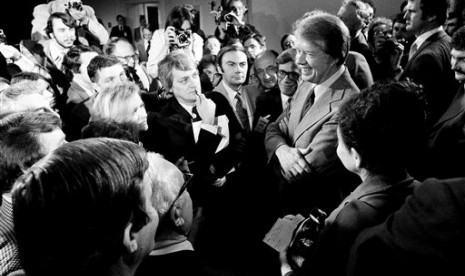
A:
[250,94]
[140,45]
[316,132]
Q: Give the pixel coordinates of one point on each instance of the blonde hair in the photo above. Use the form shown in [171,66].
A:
[111,102]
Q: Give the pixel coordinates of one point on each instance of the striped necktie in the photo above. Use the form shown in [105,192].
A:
[242,112]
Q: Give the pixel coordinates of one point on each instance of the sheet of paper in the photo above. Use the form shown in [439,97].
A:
[223,129]
[280,234]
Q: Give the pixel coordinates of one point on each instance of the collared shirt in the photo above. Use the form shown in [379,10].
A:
[146,44]
[232,99]
[198,125]
[320,89]
[284,100]
[57,53]
[87,87]
[182,246]
[424,36]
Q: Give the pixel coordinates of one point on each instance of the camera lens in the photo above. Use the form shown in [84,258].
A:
[183,38]
[228,18]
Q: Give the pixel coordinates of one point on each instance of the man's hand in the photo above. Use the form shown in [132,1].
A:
[293,163]
[79,15]
[262,123]
[10,52]
[206,109]
[170,35]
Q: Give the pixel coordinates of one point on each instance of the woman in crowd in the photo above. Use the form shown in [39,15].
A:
[120,102]
[177,35]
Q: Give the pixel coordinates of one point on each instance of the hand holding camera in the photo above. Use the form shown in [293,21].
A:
[391,53]
[76,10]
[178,38]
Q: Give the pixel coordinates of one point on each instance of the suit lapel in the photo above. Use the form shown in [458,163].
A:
[436,36]
[321,107]
[456,108]
[298,104]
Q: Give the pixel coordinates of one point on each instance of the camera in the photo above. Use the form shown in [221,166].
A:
[229,16]
[76,5]
[183,38]
[3,39]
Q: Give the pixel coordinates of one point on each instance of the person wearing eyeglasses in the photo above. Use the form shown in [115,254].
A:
[387,52]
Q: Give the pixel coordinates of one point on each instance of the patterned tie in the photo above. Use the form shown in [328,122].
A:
[241,112]
[195,115]
[308,102]
[412,51]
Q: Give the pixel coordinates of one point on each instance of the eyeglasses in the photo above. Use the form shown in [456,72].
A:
[270,70]
[128,58]
[185,185]
[382,33]
[291,75]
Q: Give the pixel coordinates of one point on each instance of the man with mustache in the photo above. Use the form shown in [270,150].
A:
[301,143]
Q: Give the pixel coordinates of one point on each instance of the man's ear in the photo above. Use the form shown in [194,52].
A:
[431,18]
[218,67]
[176,216]
[130,239]
[357,158]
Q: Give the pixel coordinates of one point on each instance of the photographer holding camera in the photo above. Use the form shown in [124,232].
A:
[176,36]
[387,51]
[231,23]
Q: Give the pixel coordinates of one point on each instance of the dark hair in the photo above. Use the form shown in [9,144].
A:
[206,61]
[377,21]
[436,8]
[283,39]
[119,16]
[89,190]
[386,125]
[398,18]
[286,56]
[177,16]
[19,144]
[98,63]
[65,18]
[72,59]
[128,131]
[322,26]
[458,39]
[227,49]
[257,37]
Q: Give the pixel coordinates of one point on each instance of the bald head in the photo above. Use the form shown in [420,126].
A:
[265,67]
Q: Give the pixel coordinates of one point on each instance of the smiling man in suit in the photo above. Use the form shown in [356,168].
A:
[429,56]
[301,143]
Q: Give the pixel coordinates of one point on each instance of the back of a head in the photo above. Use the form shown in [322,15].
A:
[435,8]
[128,131]
[71,209]
[111,102]
[11,97]
[20,145]
[386,125]
[287,56]
[321,26]
[72,59]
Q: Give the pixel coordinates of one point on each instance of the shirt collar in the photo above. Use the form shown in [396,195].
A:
[182,246]
[56,50]
[284,99]
[424,36]
[188,108]
[322,87]
[231,92]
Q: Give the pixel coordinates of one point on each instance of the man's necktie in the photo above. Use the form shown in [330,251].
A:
[195,115]
[242,112]
[412,51]
[308,102]
[59,62]
[148,47]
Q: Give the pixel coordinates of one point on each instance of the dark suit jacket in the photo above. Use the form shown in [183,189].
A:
[360,45]
[116,32]
[424,237]
[359,70]
[268,103]
[170,133]
[369,204]
[137,34]
[446,141]
[430,66]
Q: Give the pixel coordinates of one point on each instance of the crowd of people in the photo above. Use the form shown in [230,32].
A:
[173,152]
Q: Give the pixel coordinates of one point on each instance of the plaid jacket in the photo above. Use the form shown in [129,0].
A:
[9,257]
